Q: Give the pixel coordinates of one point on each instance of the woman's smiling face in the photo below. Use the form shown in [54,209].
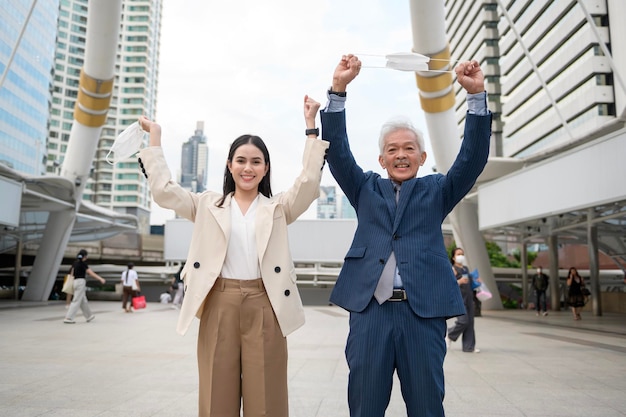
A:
[248,167]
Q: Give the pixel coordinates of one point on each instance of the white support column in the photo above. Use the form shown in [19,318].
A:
[555,282]
[524,262]
[18,269]
[437,100]
[92,105]
[594,266]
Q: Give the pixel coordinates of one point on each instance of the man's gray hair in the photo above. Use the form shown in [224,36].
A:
[399,123]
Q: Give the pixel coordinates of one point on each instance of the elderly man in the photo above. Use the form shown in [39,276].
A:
[396,280]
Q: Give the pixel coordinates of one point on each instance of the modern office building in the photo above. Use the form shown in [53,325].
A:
[119,187]
[27,41]
[331,205]
[194,161]
[327,203]
[555,74]
[345,208]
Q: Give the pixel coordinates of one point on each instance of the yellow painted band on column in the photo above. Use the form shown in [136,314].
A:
[93,85]
[87,119]
[94,96]
[432,84]
[440,60]
[438,104]
[93,103]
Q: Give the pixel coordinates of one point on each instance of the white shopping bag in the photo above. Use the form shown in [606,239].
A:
[483,293]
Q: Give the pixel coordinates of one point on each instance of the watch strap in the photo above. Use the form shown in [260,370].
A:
[337,93]
[315,131]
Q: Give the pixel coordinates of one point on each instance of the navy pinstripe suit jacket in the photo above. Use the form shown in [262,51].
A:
[412,229]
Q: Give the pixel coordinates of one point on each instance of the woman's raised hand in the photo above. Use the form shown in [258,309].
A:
[153,128]
[311,107]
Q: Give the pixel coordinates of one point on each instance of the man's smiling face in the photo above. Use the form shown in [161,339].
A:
[402,156]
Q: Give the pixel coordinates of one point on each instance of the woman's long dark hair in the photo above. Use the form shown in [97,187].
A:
[575,271]
[265,187]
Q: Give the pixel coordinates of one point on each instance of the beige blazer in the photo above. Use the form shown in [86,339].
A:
[211,232]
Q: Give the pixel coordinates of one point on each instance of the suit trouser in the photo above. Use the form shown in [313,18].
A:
[391,337]
[242,353]
[79,299]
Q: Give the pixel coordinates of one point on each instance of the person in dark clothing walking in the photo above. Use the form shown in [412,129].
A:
[575,296]
[540,284]
[464,325]
[80,270]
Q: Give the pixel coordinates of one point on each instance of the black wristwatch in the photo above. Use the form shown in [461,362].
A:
[337,93]
[315,131]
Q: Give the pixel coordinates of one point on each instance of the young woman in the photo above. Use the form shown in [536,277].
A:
[575,297]
[464,325]
[239,277]
[130,287]
[80,270]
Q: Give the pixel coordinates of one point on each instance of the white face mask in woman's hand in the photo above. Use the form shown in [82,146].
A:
[127,143]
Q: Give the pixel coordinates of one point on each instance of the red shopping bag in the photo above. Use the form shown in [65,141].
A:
[139,302]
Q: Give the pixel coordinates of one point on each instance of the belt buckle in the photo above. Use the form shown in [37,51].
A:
[398,295]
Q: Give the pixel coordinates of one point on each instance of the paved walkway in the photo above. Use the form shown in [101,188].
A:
[136,365]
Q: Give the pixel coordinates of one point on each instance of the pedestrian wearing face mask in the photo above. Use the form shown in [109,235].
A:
[464,325]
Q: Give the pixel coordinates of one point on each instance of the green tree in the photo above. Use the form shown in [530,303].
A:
[531,256]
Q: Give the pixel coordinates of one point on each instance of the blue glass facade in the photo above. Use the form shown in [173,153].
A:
[26,93]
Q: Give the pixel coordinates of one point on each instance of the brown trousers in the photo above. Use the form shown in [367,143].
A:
[127,297]
[242,354]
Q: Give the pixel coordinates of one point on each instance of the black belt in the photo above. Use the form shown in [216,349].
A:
[398,295]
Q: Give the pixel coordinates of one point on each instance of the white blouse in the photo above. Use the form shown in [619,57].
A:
[242,257]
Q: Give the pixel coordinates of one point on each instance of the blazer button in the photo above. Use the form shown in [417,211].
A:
[382,261]
[196,265]
[287,292]
[277,269]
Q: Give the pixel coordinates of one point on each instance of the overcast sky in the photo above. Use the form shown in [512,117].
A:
[244,66]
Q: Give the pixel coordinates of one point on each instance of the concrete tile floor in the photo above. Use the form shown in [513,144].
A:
[127,365]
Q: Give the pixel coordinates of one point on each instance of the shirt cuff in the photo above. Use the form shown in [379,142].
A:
[335,104]
[477,104]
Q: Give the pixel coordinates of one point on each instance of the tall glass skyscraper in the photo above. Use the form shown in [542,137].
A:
[119,187]
[194,161]
[25,92]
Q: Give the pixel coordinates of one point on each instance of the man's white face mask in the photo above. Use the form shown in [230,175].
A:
[127,143]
